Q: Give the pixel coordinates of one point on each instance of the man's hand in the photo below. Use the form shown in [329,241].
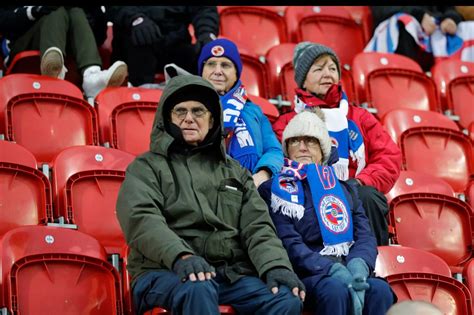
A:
[144,31]
[428,24]
[277,276]
[448,26]
[194,268]
[260,177]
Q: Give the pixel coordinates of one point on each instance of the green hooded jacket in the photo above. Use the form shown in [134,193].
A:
[178,199]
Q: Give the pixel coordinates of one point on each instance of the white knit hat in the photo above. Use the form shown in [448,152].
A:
[309,124]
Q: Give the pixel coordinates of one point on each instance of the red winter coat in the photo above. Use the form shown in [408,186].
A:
[382,155]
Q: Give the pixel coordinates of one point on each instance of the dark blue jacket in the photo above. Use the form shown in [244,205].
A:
[303,241]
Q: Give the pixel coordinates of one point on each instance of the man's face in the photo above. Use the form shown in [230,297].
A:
[194,120]
[221,72]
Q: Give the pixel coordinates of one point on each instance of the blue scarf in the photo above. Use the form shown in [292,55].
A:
[344,133]
[329,201]
[241,145]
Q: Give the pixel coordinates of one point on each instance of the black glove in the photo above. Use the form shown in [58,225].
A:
[42,10]
[144,31]
[202,40]
[277,276]
[193,264]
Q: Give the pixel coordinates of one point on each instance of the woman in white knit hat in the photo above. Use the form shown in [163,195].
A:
[368,157]
[323,225]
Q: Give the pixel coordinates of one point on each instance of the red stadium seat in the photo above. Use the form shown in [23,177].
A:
[27,61]
[447,70]
[253,28]
[460,99]
[398,121]
[365,63]
[51,270]
[436,223]
[468,275]
[392,260]
[363,16]
[268,108]
[413,182]
[470,194]
[25,192]
[86,181]
[254,74]
[126,117]
[448,294]
[45,115]
[320,24]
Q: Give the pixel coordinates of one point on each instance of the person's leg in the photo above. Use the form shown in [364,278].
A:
[165,289]
[408,47]
[378,298]
[327,296]
[183,55]
[376,209]
[250,295]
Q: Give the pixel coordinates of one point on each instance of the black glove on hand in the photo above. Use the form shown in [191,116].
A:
[39,11]
[193,264]
[144,31]
[284,276]
[202,40]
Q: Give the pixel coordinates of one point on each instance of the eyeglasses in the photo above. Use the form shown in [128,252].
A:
[196,112]
[224,65]
[310,142]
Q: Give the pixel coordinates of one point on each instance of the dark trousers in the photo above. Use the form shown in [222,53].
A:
[330,296]
[249,295]
[407,46]
[376,209]
[66,29]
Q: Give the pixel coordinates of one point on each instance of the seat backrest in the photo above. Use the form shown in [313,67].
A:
[398,121]
[268,108]
[366,62]
[46,115]
[447,293]
[468,275]
[362,15]
[86,181]
[25,192]
[433,222]
[393,260]
[460,97]
[414,182]
[445,71]
[319,24]
[126,117]
[47,270]
[27,61]
[445,153]
[254,74]
[254,28]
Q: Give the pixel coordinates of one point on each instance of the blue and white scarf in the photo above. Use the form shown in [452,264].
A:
[329,201]
[345,135]
[241,145]
[459,45]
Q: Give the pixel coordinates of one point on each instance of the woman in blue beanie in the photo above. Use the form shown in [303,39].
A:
[249,135]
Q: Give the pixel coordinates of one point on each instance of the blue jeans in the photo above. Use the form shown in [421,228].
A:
[249,295]
[331,296]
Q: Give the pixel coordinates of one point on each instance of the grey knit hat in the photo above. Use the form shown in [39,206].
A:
[304,56]
[309,123]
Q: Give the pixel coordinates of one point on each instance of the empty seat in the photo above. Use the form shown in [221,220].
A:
[468,275]
[448,294]
[460,99]
[436,223]
[86,181]
[254,74]
[390,81]
[445,71]
[126,117]
[362,15]
[45,114]
[332,26]
[27,61]
[25,192]
[413,182]
[392,260]
[51,270]
[253,28]
[398,121]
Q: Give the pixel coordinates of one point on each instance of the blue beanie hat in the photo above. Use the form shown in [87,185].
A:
[220,48]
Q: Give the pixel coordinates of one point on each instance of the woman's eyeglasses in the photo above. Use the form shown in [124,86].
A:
[310,142]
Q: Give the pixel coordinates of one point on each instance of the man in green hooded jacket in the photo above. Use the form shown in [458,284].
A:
[199,234]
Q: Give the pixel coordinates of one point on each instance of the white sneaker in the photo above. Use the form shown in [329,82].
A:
[95,80]
[52,63]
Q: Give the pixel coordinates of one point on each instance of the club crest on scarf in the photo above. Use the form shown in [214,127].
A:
[334,214]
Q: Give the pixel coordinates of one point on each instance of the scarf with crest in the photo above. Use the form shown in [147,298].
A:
[239,136]
[329,201]
[344,133]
